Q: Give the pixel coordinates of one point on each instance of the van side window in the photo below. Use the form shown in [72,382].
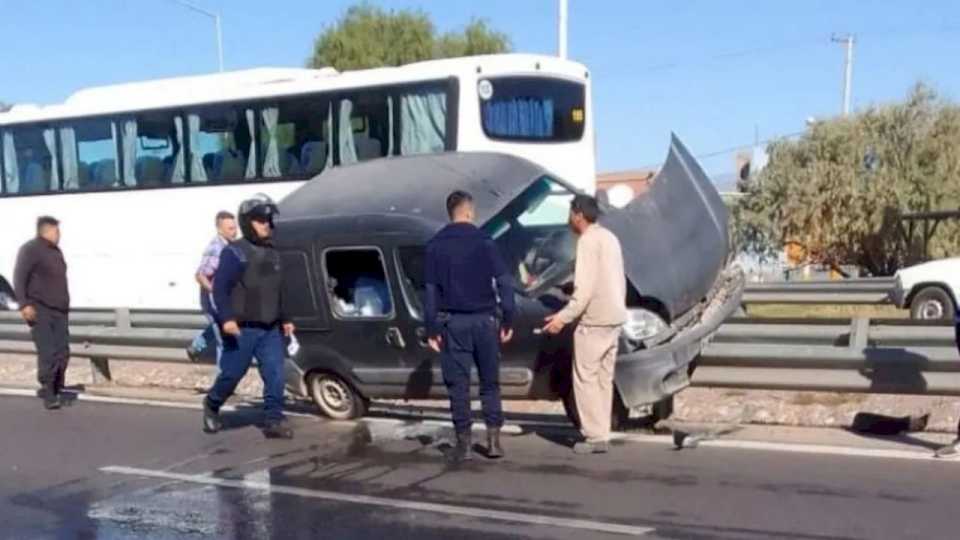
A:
[357,283]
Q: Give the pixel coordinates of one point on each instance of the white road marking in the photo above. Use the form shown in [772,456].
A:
[799,448]
[193,405]
[509,429]
[447,509]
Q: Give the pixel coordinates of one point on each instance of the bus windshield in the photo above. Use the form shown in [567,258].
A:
[532,109]
[534,237]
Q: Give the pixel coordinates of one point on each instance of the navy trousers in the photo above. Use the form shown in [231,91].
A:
[238,352]
[472,340]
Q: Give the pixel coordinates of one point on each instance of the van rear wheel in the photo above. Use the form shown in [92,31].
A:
[335,397]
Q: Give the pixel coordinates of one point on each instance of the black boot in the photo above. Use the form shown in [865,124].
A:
[51,401]
[461,452]
[278,429]
[211,419]
[494,451]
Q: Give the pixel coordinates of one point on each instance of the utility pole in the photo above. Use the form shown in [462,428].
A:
[562,29]
[847,41]
[216,22]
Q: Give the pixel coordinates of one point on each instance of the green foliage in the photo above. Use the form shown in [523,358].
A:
[832,190]
[367,37]
[476,38]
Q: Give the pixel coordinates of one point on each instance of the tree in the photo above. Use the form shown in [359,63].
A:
[476,38]
[836,189]
[367,36]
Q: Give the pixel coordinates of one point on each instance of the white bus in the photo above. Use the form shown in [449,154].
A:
[136,172]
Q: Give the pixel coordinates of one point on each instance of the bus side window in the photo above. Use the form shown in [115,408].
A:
[88,150]
[295,138]
[222,146]
[153,147]
[365,127]
[423,120]
[30,160]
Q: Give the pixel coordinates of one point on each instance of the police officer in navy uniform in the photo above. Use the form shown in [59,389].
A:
[463,324]
[248,307]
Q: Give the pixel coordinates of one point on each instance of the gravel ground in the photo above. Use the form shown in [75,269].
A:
[693,405]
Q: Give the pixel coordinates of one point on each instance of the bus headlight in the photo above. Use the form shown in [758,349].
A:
[642,324]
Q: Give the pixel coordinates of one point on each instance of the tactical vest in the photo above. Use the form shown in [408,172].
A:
[256,298]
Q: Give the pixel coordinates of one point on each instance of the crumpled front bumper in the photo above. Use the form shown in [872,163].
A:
[646,376]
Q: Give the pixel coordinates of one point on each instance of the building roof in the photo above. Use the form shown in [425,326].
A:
[633,175]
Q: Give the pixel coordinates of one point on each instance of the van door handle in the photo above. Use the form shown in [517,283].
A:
[422,337]
[395,338]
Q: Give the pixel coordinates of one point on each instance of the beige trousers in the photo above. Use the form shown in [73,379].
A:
[594,357]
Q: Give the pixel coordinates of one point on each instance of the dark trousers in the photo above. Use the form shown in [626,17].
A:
[470,340]
[51,336]
[238,352]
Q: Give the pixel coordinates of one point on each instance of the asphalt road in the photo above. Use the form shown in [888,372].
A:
[119,471]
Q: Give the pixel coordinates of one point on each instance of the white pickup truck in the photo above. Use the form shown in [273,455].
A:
[929,290]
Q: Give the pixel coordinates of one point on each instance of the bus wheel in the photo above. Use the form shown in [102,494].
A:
[335,397]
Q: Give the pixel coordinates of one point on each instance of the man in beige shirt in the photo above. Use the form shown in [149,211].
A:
[599,303]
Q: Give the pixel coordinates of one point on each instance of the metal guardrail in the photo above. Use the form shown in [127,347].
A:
[849,291]
[842,355]
[858,355]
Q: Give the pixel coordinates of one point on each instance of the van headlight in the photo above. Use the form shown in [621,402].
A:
[642,324]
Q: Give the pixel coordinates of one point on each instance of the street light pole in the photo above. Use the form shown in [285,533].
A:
[847,41]
[562,29]
[216,22]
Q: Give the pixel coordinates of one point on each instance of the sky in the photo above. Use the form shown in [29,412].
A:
[720,74]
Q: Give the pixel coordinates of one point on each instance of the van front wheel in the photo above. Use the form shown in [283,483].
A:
[335,397]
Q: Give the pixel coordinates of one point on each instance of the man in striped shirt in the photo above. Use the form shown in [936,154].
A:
[226,232]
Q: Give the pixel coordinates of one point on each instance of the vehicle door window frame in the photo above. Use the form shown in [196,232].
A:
[330,298]
[408,291]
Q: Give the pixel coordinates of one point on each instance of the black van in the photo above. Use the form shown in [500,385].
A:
[353,240]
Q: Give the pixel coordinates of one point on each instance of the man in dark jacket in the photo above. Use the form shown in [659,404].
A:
[462,264]
[40,283]
[247,305]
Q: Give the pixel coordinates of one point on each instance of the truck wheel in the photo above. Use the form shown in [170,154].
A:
[335,397]
[932,303]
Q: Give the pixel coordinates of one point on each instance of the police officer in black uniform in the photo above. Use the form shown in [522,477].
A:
[249,309]
[469,309]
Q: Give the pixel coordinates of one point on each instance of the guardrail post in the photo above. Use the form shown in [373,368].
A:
[100,367]
[859,333]
[123,318]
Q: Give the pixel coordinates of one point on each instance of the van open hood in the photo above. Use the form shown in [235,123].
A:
[674,237]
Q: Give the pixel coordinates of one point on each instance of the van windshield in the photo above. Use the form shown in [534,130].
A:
[534,237]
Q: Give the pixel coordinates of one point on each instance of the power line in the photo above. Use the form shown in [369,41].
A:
[730,55]
[732,149]
[820,41]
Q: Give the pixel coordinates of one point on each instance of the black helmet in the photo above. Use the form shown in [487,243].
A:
[257,208]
